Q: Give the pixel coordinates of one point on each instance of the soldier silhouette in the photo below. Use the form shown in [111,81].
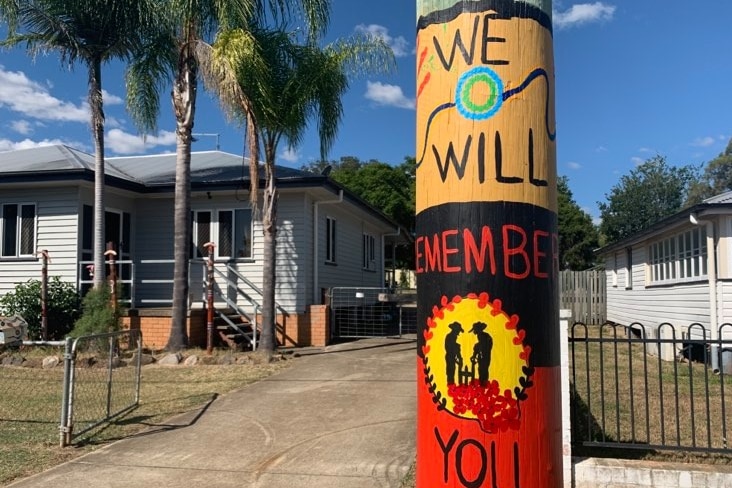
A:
[453,358]
[482,351]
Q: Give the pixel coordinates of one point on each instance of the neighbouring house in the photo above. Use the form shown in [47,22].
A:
[326,236]
[678,271]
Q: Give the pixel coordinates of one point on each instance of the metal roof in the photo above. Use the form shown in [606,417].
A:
[156,173]
[725,197]
[209,167]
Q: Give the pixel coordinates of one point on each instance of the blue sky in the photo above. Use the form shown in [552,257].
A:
[634,78]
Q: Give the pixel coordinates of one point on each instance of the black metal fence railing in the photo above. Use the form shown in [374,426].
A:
[656,388]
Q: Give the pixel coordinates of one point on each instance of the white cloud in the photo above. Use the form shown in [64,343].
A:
[601,149]
[23,95]
[121,142]
[399,45]
[637,161]
[389,95]
[703,141]
[583,13]
[110,99]
[8,145]
[290,155]
[21,127]
[574,165]
[645,150]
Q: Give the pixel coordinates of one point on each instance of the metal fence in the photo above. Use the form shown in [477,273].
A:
[82,384]
[655,388]
[30,395]
[370,312]
[101,380]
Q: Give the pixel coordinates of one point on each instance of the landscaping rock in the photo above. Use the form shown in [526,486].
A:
[13,361]
[191,360]
[171,359]
[145,359]
[226,360]
[50,362]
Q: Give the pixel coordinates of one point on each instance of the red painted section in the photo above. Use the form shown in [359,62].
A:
[475,458]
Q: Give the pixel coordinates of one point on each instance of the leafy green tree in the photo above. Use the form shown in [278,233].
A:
[182,45]
[389,188]
[62,306]
[716,178]
[650,192]
[299,82]
[578,236]
[92,32]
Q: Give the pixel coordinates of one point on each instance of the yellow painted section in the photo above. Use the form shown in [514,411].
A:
[526,46]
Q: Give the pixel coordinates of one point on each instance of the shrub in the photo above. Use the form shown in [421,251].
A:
[62,311]
[98,315]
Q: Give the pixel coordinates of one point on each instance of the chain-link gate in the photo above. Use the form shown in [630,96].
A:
[101,380]
[369,312]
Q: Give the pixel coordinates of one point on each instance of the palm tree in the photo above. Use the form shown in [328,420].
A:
[92,32]
[301,81]
[186,50]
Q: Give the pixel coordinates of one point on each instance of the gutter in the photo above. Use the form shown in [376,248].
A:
[316,250]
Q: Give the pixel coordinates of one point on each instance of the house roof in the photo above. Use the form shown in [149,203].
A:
[210,170]
[209,167]
[719,204]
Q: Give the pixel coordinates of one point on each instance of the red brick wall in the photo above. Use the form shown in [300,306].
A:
[156,328]
[309,329]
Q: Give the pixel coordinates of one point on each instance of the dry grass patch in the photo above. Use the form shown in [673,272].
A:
[30,409]
[624,393]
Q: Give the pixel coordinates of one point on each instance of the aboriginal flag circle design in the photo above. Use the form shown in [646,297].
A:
[476,363]
[479,93]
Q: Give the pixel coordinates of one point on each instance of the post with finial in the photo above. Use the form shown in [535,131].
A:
[44,294]
[486,246]
[209,296]
[110,254]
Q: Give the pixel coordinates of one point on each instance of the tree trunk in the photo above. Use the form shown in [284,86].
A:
[96,106]
[184,104]
[269,226]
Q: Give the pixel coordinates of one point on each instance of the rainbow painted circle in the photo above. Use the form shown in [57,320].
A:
[479,93]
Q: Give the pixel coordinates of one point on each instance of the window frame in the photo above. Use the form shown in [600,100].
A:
[215,230]
[368,252]
[18,230]
[330,240]
[679,258]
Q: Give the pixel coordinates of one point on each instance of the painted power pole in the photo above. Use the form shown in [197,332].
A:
[489,390]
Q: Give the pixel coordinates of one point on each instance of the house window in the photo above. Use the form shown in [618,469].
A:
[629,268]
[680,257]
[117,233]
[330,240]
[230,230]
[369,252]
[18,230]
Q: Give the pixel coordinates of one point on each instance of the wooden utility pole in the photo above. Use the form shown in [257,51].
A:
[489,392]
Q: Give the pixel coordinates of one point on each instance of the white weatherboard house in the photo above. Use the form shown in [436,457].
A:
[326,236]
[678,271]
